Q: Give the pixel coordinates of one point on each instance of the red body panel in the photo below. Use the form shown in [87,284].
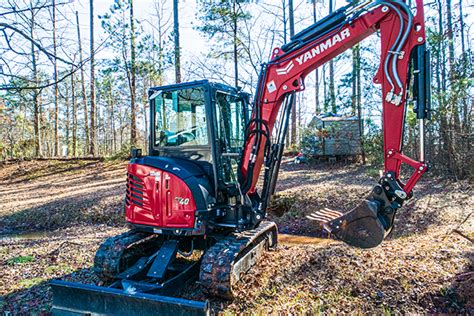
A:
[158,198]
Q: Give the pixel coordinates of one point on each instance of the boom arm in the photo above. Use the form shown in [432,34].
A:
[402,39]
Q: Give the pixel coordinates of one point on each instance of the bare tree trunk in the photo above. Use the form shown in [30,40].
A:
[356,96]
[121,129]
[293,107]
[92,149]
[316,72]
[160,16]
[236,62]
[285,36]
[354,79]
[43,129]
[133,88]
[444,150]
[145,116]
[285,28]
[68,123]
[450,34]
[36,93]
[100,132]
[177,53]
[112,124]
[359,103]
[452,70]
[74,115]
[300,100]
[83,86]
[465,61]
[461,22]
[332,91]
[113,144]
[325,89]
[56,88]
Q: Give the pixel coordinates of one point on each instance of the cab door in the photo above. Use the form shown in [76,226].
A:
[231,120]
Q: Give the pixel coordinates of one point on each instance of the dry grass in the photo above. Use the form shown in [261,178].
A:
[422,268]
[35,195]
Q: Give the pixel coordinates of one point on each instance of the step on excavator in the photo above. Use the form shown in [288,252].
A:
[193,203]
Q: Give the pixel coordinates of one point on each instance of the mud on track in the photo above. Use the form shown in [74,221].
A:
[53,216]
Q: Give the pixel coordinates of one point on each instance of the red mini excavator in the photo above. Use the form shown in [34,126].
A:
[193,202]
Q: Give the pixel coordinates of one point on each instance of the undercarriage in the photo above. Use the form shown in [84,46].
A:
[141,267]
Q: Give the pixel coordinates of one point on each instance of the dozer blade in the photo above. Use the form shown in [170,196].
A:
[80,299]
[360,227]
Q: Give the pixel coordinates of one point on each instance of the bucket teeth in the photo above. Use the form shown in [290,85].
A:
[325,215]
[359,227]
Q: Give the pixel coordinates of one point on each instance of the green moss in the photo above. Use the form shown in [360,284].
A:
[373,172]
[386,310]
[20,260]
[60,268]
[26,283]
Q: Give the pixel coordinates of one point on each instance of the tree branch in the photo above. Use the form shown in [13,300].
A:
[15,11]
[41,48]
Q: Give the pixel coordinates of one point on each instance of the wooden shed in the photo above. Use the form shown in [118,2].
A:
[332,135]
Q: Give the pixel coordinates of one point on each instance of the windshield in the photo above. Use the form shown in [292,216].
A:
[180,118]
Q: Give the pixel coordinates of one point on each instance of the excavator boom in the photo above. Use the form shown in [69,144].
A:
[402,37]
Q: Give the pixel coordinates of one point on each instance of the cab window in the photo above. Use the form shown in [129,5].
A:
[180,118]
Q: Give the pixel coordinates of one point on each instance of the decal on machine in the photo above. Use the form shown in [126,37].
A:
[271,86]
[318,49]
[286,69]
[182,201]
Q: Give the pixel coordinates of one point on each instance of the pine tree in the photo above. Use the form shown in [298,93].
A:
[220,20]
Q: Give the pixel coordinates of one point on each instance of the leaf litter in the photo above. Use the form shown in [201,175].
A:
[53,219]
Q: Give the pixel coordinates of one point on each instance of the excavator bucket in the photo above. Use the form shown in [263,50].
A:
[359,227]
[80,299]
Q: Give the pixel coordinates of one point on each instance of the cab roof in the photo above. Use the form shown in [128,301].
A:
[197,83]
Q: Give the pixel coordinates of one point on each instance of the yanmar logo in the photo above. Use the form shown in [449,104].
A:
[322,47]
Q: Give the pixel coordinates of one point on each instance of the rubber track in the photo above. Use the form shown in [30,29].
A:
[107,257]
[218,261]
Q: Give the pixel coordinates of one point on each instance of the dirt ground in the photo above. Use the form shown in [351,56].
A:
[53,216]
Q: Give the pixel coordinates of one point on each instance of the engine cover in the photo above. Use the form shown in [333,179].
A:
[165,192]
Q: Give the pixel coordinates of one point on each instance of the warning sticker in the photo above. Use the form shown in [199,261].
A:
[271,86]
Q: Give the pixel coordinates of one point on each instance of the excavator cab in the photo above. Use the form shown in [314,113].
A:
[203,122]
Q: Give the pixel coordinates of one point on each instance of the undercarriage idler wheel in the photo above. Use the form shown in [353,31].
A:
[118,253]
[229,259]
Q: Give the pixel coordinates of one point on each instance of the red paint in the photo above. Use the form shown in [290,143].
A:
[166,201]
[287,74]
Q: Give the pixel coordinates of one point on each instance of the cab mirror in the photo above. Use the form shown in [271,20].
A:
[136,153]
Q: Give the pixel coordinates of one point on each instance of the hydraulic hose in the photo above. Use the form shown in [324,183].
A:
[247,181]
[402,41]
[392,49]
